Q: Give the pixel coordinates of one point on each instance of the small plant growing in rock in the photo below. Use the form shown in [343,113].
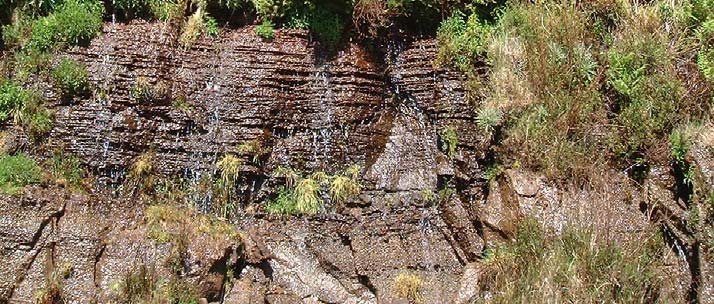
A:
[181,103]
[193,28]
[17,171]
[229,166]
[253,147]
[52,292]
[489,118]
[342,187]
[74,22]
[265,30]
[12,100]
[408,286]
[449,141]
[141,173]
[143,90]
[66,169]
[71,77]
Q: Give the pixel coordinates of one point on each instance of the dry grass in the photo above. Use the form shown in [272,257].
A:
[408,286]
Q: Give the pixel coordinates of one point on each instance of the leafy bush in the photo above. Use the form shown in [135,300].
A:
[462,40]
[265,30]
[328,27]
[71,77]
[17,171]
[74,22]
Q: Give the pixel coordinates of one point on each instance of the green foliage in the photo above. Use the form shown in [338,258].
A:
[66,169]
[328,27]
[72,77]
[705,58]
[574,268]
[212,29]
[489,118]
[462,40]
[12,100]
[74,22]
[265,30]
[303,195]
[17,171]
[449,141]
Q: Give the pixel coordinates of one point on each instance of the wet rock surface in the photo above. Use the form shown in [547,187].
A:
[385,112]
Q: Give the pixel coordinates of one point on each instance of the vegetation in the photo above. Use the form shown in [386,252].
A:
[144,90]
[303,195]
[144,285]
[266,30]
[17,171]
[12,100]
[568,81]
[66,169]
[408,286]
[449,141]
[571,268]
[71,77]
[74,22]
[141,174]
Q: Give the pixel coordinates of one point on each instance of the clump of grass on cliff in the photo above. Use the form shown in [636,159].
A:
[71,77]
[72,23]
[408,286]
[584,86]
[17,171]
[143,284]
[572,268]
[303,195]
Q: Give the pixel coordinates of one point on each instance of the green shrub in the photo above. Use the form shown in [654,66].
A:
[328,27]
[12,100]
[37,120]
[265,30]
[17,171]
[75,22]
[461,40]
[72,77]
[212,29]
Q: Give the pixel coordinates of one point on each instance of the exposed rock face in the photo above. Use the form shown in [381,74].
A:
[384,112]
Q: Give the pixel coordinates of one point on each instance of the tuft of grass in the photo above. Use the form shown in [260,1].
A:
[449,141]
[12,100]
[17,171]
[66,169]
[141,174]
[302,199]
[230,169]
[265,30]
[489,118]
[461,40]
[572,268]
[72,77]
[193,28]
[408,286]
[144,91]
[343,187]
[255,148]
